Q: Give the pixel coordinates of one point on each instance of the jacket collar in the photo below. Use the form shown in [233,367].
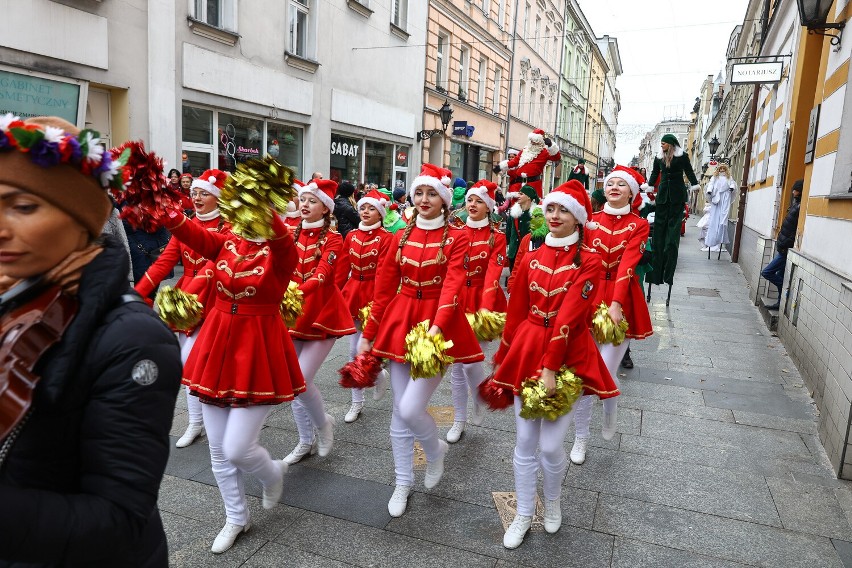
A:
[619,211]
[558,242]
[430,224]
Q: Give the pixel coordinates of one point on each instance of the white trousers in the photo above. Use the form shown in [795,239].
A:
[308,407]
[233,435]
[612,356]
[411,421]
[357,394]
[464,376]
[548,436]
[193,404]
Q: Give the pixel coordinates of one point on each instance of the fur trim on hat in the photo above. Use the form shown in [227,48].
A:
[379,205]
[481,192]
[620,174]
[436,184]
[312,188]
[576,208]
[206,185]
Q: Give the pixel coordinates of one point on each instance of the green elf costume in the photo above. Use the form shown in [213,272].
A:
[580,174]
[393,221]
[518,224]
[672,194]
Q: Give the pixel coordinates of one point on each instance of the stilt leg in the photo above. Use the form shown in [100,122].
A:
[720,253]
[648,297]
[669,297]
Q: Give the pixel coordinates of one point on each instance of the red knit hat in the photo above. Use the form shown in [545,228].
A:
[572,196]
[485,190]
[376,199]
[438,179]
[536,136]
[211,181]
[324,189]
[633,178]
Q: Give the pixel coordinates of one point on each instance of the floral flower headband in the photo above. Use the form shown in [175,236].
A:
[49,146]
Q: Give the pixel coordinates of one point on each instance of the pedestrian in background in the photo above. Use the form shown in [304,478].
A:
[344,208]
[774,271]
[518,223]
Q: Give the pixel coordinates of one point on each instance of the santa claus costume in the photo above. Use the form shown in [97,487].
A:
[197,278]
[363,249]
[324,315]
[421,278]
[547,328]
[243,361]
[619,237]
[527,167]
[486,258]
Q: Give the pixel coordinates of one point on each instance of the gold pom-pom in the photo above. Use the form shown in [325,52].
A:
[180,310]
[426,353]
[605,330]
[291,304]
[536,404]
[487,325]
[363,314]
[252,192]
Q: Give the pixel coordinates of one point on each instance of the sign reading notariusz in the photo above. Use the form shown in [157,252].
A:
[743,73]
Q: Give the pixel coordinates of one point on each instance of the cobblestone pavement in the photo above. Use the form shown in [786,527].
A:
[716,463]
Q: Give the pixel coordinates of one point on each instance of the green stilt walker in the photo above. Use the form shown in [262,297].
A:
[670,167]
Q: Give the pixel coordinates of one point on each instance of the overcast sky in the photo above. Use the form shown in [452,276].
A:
[667,49]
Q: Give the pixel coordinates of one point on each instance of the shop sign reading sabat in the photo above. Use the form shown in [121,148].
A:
[344,149]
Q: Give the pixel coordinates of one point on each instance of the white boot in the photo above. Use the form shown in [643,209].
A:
[578,451]
[273,494]
[325,436]
[226,537]
[381,385]
[517,531]
[354,412]
[610,421]
[193,431]
[300,451]
[399,500]
[552,515]
[454,434]
[435,468]
[478,415]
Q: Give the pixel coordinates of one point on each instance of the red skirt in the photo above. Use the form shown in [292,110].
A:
[524,360]
[634,309]
[357,294]
[473,300]
[404,312]
[324,315]
[244,359]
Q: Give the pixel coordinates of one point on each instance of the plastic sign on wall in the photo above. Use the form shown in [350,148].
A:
[27,96]
[744,73]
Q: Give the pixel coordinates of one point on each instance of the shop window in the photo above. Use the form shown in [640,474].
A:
[399,13]
[345,163]
[486,162]
[240,138]
[456,160]
[195,162]
[197,125]
[300,25]
[284,143]
[217,13]
[378,163]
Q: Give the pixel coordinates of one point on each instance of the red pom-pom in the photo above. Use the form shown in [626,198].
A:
[497,397]
[360,373]
[146,196]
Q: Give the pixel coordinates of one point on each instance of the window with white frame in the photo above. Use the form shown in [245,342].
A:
[546,44]
[399,13]
[521,89]
[217,13]
[464,71]
[537,37]
[501,14]
[443,59]
[498,87]
[300,35]
[530,115]
[486,7]
[526,22]
[480,88]
[541,112]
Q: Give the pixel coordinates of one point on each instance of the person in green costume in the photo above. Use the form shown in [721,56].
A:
[670,166]
[580,174]
[393,221]
[518,222]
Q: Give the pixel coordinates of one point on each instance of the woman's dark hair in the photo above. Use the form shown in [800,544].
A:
[345,189]
[173,171]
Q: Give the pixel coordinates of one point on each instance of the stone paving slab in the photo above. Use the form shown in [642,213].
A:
[629,553]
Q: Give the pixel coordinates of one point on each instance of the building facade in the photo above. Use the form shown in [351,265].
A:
[650,145]
[611,105]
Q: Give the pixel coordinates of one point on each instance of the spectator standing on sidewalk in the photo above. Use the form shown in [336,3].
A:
[774,271]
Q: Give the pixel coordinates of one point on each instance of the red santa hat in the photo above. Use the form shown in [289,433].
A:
[376,199]
[298,183]
[536,136]
[485,190]
[438,179]
[633,178]
[324,189]
[211,181]
[572,196]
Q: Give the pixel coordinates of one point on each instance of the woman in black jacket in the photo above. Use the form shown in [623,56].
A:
[79,475]
[344,211]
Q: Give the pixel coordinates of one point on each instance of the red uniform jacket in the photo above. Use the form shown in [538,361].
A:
[483,268]
[356,274]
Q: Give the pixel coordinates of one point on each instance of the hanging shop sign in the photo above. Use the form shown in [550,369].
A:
[744,73]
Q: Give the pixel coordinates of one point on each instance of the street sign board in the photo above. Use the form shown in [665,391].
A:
[744,73]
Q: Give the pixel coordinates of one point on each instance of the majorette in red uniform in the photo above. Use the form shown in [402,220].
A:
[363,250]
[486,258]
[421,278]
[243,361]
[292,218]
[527,167]
[547,326]
[197,278]
[619,237]
[324,316]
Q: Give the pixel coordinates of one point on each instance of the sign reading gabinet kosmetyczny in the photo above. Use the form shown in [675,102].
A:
[742,73]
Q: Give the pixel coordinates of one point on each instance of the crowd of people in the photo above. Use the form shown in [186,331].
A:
[80,467]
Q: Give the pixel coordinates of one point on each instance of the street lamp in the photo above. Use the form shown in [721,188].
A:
[714,145]
[814,14]
[446,114]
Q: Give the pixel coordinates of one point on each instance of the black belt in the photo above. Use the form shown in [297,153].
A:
[513,181]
